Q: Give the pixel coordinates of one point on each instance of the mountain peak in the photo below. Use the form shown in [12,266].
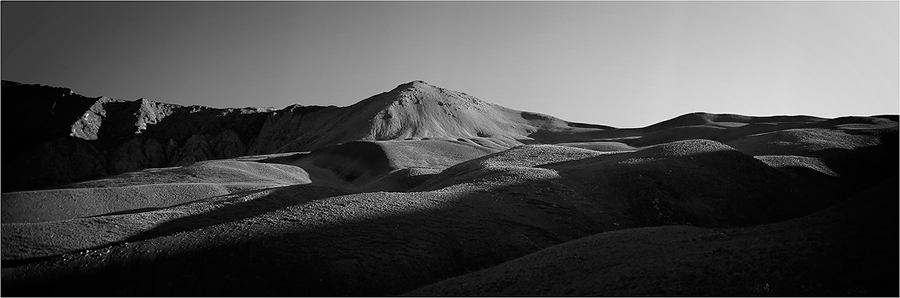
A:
[417,83]
[419,92]
[412,85]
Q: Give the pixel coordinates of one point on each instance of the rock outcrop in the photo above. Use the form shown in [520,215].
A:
[52,136]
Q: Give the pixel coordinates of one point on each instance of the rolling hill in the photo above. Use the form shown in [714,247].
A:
[428,191]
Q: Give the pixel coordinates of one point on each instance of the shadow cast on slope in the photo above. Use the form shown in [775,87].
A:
[227,209]
[356,162]
[863,167]
[840,251]
[235,209]
[387,254]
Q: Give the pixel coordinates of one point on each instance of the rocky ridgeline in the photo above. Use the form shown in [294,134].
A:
[53,136]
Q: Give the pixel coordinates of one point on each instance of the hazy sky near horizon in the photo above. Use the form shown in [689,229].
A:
[625,64]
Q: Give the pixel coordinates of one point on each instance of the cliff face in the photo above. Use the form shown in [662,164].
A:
[52,136]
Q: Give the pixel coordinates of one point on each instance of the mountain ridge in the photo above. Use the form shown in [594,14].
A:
[68,137]
[63,137]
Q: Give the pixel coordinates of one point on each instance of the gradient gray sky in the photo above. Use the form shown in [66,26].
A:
[625,64]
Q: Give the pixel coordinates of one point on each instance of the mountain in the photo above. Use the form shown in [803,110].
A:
[56,136]
[426,191]
[415,110]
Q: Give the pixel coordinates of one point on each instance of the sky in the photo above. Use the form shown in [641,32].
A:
[624,64]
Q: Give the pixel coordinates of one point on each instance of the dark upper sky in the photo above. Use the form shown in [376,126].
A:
[624,64]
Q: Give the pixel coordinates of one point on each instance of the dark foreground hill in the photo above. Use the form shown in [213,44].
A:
[432,191]
[841,251]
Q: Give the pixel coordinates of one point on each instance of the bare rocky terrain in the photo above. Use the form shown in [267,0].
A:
[422,190]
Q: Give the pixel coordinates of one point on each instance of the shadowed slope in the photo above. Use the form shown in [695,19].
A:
[845,250]
[696,182]
[292,242]
[375,243]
